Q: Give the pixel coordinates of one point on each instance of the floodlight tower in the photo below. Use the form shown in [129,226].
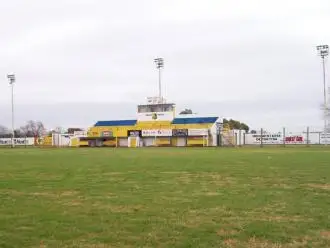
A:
[12,79]
[159,64]
[323,51]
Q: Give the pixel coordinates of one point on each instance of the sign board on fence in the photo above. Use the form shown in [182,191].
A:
[325,138]
[180,132]
[197,132]
[17,141]
[133,133]
[254,139]
[295,139]
[157,132]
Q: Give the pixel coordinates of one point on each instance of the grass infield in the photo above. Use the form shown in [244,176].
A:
[165,197]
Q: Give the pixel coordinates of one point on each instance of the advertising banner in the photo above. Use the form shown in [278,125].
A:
[80,134]
[290,139]
[295,139]
[155,116]
[107,134]
[254,139]
[134,133]
[17,141]
[325,138]
[197,132]
[157,132]
[180,132]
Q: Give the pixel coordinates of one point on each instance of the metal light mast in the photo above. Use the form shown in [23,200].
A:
[159,64]
[12,79]
[323,51]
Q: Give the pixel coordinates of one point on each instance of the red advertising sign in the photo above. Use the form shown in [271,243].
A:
[294,139]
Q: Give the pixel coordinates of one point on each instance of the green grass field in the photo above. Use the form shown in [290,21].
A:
[248,197]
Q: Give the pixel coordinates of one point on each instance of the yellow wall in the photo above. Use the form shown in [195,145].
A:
[110,143]
[133,142]
[174,141]
[196,141]
[163,141]
[75,142]
[117,131]
[191,126]
[153,125]
[83,143]
[121,131]
[48,141]
[45,141]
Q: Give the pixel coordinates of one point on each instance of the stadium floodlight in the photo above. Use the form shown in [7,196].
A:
[12,80]
[323,52]
[159,64]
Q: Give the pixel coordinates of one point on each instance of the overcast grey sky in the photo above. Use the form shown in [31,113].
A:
[77,60]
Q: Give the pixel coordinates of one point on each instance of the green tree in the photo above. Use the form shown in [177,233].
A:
[186,112]
[234,124]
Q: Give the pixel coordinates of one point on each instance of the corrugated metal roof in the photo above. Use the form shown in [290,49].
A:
[191,120]
[195,120]
[115,123]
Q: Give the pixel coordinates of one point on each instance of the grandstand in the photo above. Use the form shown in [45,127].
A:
[156,124]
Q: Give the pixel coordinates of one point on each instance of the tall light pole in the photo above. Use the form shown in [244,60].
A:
[159,64]
[323,51]
[12,79]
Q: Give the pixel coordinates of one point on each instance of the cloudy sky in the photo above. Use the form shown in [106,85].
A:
[78,61]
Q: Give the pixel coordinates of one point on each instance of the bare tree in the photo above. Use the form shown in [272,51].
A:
[33,129]
[25,130]
[19,133]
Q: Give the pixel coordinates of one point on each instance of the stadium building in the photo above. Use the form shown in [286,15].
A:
[156,124]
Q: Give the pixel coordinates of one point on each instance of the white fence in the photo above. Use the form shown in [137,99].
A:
[236,137]
[284,138]
[294,139]
[17,141]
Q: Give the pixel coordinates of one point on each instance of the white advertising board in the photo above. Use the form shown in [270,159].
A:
[290,138]
[314,139]
[17,141]
[325,138]
[155,116]
[197,132]
[157,132]
[80,133]
[254,139]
